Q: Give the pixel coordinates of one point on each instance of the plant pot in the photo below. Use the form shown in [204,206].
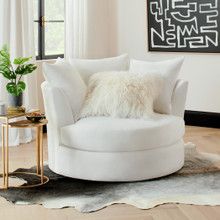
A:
[15,101]
[15,104]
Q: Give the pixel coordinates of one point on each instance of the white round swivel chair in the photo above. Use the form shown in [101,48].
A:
[113,149]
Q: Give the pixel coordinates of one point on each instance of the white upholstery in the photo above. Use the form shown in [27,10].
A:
[179,98]
[121,94]
[61,75]
[87,67]
[169,70]
[111,149]
[105,134]
[118,166]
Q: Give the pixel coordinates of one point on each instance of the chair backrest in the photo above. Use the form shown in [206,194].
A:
[87,67]
[179,98]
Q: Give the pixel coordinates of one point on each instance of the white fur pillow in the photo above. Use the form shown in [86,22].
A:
[121,94]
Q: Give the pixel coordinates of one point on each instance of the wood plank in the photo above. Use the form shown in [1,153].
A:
[208,212]
[192,212]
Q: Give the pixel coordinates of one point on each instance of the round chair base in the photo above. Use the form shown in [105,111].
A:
[118,166]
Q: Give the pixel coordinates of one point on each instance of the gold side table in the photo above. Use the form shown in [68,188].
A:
[39,148]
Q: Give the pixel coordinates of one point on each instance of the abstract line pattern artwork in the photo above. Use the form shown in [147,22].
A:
[184,25]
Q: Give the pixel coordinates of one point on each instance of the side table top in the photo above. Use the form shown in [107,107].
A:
[27,124]
[17,115]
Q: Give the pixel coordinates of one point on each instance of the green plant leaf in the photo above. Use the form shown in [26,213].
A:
[16,89]
[11,88]
[21,85]
[7,74]
[5,56]
[20,60]
[5,64]
[3,67]
[7,70]
[25,69]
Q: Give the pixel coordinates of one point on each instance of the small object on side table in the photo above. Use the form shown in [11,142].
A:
[35,117]
[15,110]
[2,108]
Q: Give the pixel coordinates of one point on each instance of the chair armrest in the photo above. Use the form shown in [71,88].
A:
[179,98]
[57,107]
[58,112]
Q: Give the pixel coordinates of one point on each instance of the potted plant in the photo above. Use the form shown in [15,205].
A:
[14,73]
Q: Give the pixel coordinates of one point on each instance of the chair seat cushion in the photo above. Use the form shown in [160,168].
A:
[106,134]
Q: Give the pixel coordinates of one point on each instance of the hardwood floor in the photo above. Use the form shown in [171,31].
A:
[206,139]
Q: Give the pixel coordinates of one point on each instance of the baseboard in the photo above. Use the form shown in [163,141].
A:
[202,119]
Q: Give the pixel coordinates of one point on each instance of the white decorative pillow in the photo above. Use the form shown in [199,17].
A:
[121,94]
[63,76]
[87,67]
[169,70]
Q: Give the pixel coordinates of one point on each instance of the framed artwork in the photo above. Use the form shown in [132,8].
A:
[184,25]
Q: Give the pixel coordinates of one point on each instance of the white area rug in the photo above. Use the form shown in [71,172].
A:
[197,183]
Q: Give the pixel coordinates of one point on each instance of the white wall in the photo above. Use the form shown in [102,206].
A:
[98,37]
[201,70]
[125,31]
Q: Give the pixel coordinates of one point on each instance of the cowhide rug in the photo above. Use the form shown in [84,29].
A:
[198,182]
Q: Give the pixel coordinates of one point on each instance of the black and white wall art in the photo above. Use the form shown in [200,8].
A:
[184,25]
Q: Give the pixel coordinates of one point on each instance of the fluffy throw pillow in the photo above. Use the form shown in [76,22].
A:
[87,67]
[63,76]
[169,70]
[121,94]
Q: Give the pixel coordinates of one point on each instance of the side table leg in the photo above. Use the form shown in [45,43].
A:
[38,149]
[3,155]
[6,156]
[41,154]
